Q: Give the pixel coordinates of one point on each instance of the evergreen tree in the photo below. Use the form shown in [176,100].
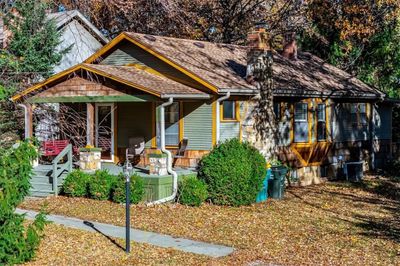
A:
[29,57]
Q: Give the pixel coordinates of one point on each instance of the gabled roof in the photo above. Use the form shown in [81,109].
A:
[141,79]
[63,18]
[224,67]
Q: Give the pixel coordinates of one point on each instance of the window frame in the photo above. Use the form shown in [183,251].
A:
[356,111]
[324,120]
[235,112]
[306,120]
[156,143]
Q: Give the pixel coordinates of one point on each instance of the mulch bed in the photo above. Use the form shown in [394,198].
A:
[327,224]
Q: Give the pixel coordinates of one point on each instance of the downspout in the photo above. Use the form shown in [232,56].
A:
[169,156]
[218,120]
[25,119]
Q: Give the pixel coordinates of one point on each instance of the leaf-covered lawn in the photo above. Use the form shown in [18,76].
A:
[66,246]
[332,223]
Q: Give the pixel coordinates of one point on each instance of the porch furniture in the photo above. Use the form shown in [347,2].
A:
[135,147]
[53,147]
[180,153]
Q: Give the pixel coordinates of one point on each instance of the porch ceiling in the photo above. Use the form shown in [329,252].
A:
[147,82]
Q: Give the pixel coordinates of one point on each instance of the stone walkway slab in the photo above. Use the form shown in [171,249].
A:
[160,240]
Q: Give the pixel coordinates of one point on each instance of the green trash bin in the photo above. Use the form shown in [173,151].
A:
[276,183]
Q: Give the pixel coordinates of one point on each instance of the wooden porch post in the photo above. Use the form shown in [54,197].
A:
[28,120]
[90,124]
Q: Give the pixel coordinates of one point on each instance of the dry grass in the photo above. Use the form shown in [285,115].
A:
[329,224]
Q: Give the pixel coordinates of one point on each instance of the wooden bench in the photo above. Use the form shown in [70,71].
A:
[53,147]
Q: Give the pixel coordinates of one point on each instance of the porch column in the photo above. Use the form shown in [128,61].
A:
[27,120]
[90,124]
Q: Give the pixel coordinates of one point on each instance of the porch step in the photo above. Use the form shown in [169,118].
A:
[40,193]
[42,181]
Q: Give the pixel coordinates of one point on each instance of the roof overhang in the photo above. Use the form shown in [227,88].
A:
[81,67]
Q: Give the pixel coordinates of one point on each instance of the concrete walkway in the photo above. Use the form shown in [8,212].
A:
[139,236]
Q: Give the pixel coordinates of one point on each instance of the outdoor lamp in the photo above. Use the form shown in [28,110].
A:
[128,168]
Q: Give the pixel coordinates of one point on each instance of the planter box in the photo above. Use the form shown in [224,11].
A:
[90,159]
[158,164]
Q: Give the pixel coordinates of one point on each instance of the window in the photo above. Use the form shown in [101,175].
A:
[321,122]
[358,113]
[171,115]
[301,122]
[229,110]
[277,110]
[172,124]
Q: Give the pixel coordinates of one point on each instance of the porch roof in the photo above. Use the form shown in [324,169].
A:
[143,79]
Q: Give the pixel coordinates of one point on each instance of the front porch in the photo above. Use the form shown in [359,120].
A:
[156,187]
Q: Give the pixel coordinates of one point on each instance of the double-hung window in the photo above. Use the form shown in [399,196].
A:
[171,116]
[301,129]
[229,110]
[172,124]
[321,122]
[358,113]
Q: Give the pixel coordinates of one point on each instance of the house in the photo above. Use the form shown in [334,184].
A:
[82,39]
[78,34]
[323,113]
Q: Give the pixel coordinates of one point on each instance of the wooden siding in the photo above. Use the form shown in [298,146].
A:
[127,53]
[383,122]
[229,130]
[81,42]
[342,126]
[198,125]
[78,89]
[134,120]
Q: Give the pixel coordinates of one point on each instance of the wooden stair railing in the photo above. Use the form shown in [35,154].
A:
[67,151]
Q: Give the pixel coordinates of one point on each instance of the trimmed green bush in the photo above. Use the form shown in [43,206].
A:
[76,184]
[234,172]
[17,242]
[192,191]
[137,189]
[101,184]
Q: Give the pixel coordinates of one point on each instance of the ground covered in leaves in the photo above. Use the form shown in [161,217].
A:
[327,224]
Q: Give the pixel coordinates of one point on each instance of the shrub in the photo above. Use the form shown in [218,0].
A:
[137,189]
[76,184]
[17,243]
[192,191]
[233,172]
[101,184]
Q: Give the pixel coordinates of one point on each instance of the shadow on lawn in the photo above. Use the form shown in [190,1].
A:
[91,225]
[388,199]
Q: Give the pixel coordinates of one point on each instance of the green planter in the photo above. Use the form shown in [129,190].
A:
[276,183]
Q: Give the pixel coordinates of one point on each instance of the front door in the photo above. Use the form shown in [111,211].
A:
[105,130]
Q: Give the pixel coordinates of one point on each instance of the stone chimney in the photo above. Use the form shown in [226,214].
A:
[290,46]
[257,42]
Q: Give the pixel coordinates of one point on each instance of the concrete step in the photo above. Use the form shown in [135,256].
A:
[40,193]
[41,179]
[41,186]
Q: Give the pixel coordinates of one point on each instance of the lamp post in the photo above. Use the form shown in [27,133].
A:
[127,173]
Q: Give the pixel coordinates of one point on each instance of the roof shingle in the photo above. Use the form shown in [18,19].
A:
[224,66]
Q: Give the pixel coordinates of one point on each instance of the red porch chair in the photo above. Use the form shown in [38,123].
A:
[53,147]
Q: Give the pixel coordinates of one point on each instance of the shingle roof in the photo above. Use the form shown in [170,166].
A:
[146,80]
[153,82]
[63,18]
[224,66]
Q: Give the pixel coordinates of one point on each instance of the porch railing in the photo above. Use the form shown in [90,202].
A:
[58,168]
